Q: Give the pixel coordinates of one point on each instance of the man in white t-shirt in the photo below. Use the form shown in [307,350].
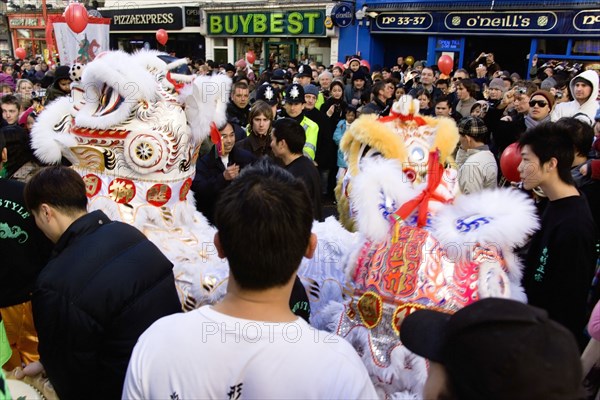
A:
[250,345]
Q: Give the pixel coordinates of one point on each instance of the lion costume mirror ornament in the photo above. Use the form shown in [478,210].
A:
[132,131]
[423,245]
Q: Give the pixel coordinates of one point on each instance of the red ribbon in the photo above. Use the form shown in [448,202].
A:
[178,86]
[404,118]
[435,171]
[215,137]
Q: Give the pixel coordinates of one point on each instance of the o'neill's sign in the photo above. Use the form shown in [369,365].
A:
[342,14]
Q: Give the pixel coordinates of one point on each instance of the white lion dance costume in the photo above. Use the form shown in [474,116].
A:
[421,245]
[132,130]
[126,132]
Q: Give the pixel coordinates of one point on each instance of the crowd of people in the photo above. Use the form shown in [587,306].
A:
[25,87]
[280,147]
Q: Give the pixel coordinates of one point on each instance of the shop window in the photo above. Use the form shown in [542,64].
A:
[220,42]
[23,34]
[583,47]
[242,46]
[553,46]
[314,50]
[220,56]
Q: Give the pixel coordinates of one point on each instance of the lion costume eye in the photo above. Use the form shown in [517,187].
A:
[109,101]
[367,152]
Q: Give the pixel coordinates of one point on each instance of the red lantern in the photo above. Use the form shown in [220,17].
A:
[77,17]
[509,162]
[445,64]
[162,36]
[250,56]
[20,53]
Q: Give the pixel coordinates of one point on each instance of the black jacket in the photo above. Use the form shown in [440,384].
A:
[325,156]
[209,180]
[304,169]
[104,285]
[238,118]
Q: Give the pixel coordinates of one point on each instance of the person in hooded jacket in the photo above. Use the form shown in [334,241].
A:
[61,86]
[584,88]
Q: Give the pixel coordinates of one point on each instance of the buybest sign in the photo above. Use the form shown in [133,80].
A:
[285,23]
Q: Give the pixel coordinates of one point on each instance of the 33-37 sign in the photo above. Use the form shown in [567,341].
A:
[391,21]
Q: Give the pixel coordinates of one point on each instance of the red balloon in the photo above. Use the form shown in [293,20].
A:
[250,56]
[341,65]
[365,63]
[162,36]
[509,162]
[77,17]
[20,53]
[445,64]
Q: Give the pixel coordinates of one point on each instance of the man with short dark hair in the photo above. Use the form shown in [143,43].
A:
[379,103]
[250,345]
[239,108]
[16,137]
[427,83]
[560,262]
[494,349]
[287,141]
[105,284]
[217,169]
[443,107]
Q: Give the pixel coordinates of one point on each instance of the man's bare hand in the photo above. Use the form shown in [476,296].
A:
[231,172]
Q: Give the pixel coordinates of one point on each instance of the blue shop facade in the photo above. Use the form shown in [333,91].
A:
[512,29]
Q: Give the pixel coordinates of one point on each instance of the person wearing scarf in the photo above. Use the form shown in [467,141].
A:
[532,110]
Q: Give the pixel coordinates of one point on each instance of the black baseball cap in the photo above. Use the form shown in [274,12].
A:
[498,349]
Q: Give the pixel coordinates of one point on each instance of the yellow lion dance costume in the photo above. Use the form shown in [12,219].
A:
[421,245]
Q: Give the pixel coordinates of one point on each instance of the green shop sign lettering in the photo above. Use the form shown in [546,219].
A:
[305,23]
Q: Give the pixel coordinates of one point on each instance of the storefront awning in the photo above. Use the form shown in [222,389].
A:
[496,5]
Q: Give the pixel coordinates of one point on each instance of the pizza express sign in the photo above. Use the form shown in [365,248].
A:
[168,18]
[290,23]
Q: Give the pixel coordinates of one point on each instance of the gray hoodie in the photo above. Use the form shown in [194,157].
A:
[571,108]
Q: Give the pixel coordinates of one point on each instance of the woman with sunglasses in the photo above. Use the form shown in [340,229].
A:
[532,108]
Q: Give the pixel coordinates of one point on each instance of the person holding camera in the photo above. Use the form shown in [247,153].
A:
[487,60]
[426,82]
[532,107]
